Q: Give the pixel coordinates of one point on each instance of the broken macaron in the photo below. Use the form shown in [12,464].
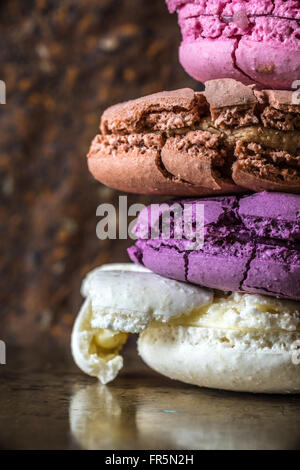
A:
[228,139]
[239,342]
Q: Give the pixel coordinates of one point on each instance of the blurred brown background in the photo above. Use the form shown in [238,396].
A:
[64,62]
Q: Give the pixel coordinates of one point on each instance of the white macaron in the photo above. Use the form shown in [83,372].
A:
[240,342]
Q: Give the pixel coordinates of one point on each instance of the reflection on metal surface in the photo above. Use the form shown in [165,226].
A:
[147,415]
[97,420]
[212,420]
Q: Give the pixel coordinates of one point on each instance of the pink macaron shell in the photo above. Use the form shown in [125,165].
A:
[200,7]
[264,50]
[268,65]
[229,8]
[203,6]
[275,31]
[280,8]
[207,60]
[287,9]
[251,7]
[174,4]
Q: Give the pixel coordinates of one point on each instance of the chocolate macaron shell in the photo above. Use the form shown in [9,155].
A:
[125,162]
[222,93]
[135,163]
[129,172]
[136,167]
[228,139]
[281,99]
[242,175]
[251,244]
[279,109]
[200,158]
[161,111]
[134,155]
[149,181]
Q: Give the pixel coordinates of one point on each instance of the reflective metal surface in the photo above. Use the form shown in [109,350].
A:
[47,403]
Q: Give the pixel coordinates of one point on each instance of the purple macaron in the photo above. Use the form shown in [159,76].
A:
[251,244]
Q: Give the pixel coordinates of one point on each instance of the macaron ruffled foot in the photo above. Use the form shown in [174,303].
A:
[228,139]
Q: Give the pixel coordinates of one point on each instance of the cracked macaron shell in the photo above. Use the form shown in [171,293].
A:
[184,143]
[251,244]
[254,41]
[130,154]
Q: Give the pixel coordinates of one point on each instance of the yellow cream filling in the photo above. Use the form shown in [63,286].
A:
[269,138]
[243,312]
[107,343]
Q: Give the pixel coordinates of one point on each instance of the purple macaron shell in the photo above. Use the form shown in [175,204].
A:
[274,269]
[251,244]
[274,216]
[220,266]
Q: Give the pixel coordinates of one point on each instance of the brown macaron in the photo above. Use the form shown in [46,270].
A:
[228,139]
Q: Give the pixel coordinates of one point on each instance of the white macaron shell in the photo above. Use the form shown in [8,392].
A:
[91,364]
[129,301]
[126,297]
[110,267]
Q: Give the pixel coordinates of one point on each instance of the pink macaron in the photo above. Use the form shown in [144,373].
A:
[254,41]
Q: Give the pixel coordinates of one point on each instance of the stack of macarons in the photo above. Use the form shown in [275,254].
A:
[215,299]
